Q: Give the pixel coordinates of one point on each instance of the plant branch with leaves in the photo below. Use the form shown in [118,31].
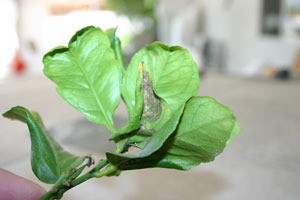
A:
[167,121]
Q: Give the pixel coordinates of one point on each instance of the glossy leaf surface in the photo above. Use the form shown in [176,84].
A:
[169,78]
[48,159]
[116,46]
[153,144]
[87,75]
[134,113]
[202,134]
[173,75]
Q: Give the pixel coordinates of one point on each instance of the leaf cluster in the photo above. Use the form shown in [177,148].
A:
[170,125]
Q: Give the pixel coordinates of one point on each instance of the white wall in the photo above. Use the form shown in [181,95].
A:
[8,38]
[42,31]
[32,14]
[238,27]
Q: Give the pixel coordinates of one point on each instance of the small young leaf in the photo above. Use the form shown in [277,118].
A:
[116,46]
[48,160]
[169,78]
[134,113]
[202,134]
[87,74]
[171,72]
[153,144]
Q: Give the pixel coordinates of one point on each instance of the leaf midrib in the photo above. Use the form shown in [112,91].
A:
[84,72]
[30,119]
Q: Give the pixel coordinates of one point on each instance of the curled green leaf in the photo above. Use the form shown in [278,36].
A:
[49,161]
[203,132]
[169,78]
[153,144]
[116,46]
[172,73]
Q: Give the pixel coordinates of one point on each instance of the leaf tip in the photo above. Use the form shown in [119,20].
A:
[81,32]
[16,113]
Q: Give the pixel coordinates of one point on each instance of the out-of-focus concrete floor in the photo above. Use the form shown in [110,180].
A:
[263,162]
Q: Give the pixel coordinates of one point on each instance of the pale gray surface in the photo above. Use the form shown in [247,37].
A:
[261,163]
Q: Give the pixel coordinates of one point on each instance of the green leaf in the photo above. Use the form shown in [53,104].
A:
[87,75]
[134,113]
[48,159]
[172,73]
[235,131]
[169,78]
[153,144]
[202,134]
[116,46]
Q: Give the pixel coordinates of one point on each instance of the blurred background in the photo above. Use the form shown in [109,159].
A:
[248,53]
